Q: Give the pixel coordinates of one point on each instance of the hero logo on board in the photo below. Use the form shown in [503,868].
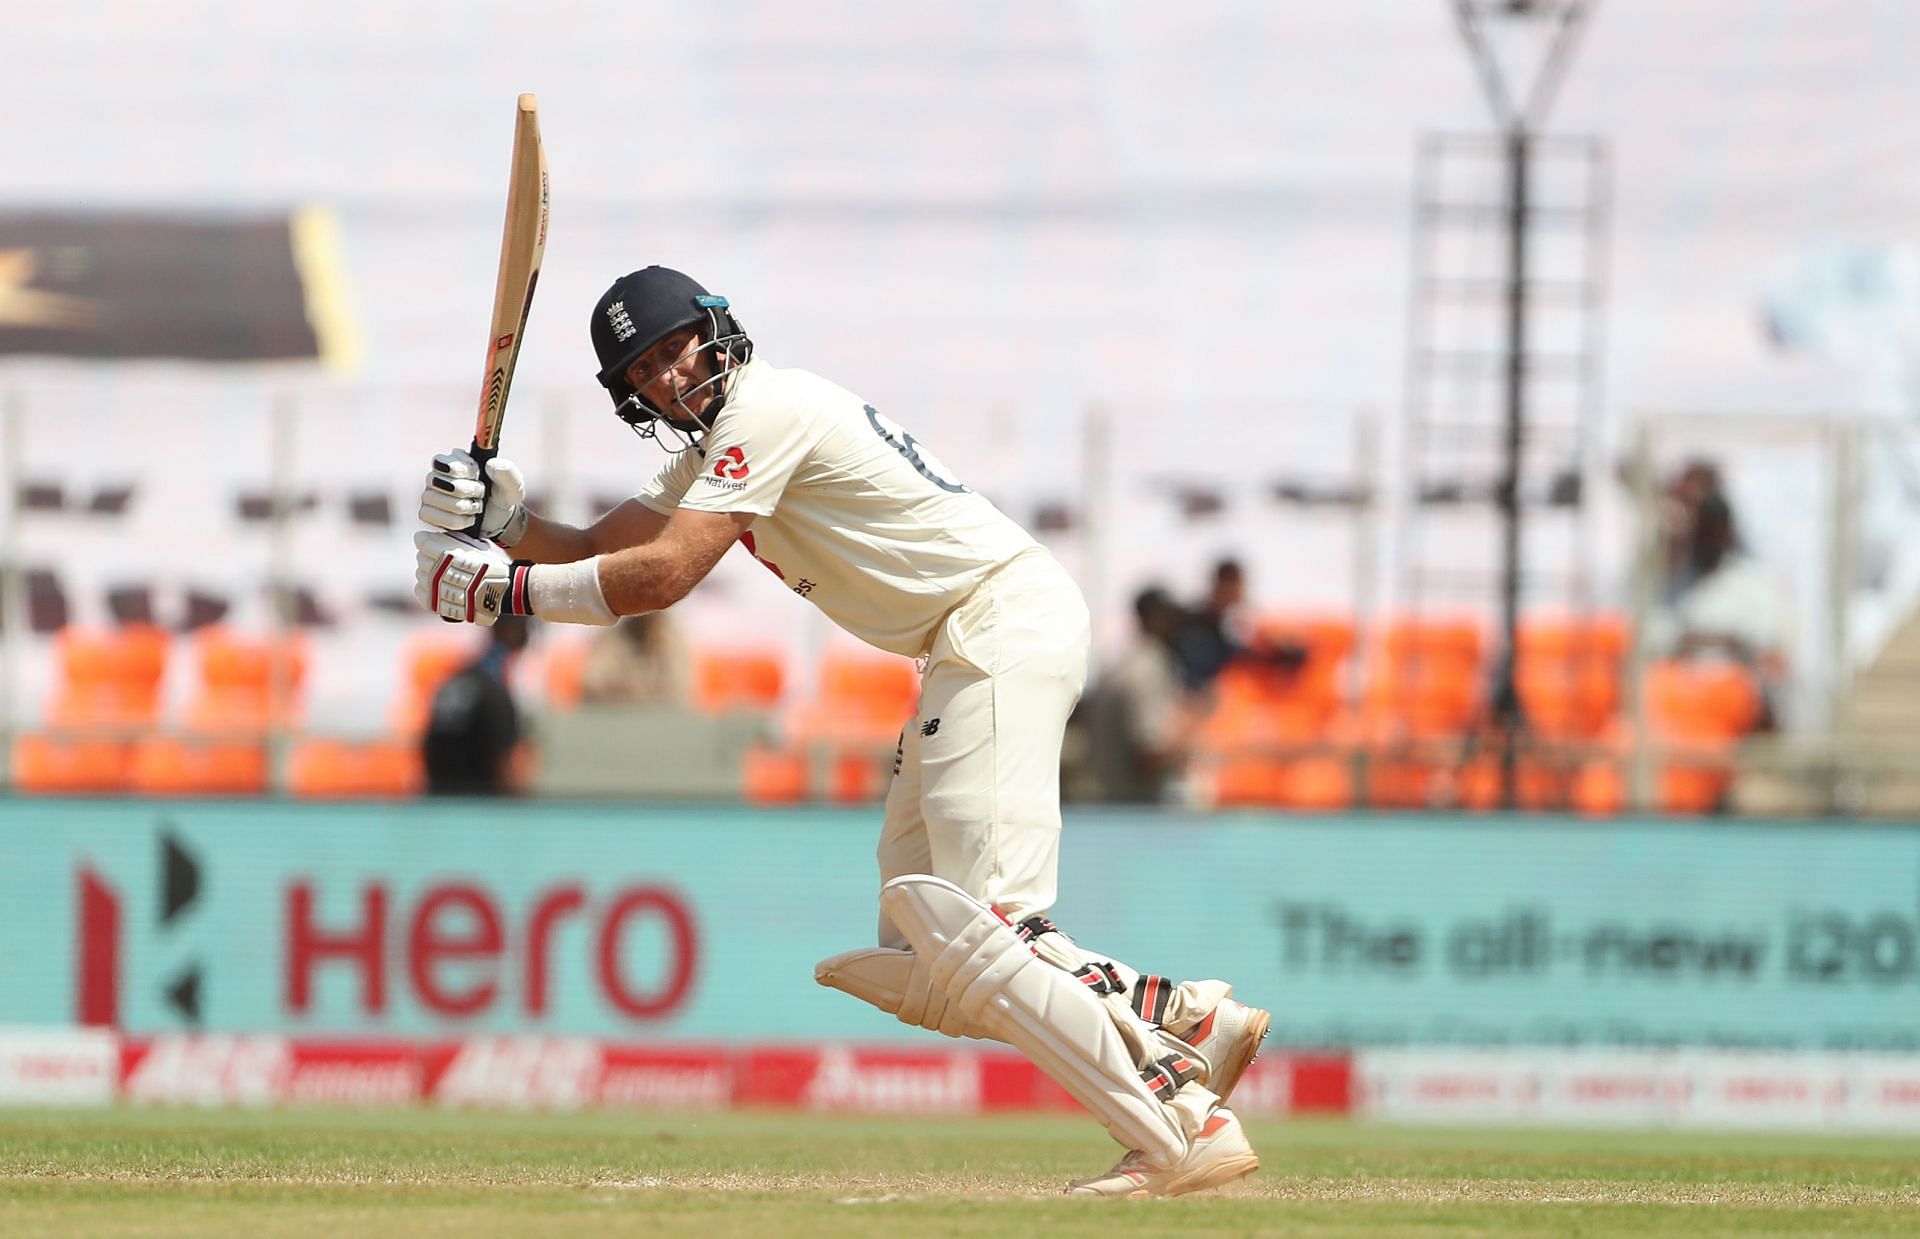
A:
[455,949]
[97,959]
[464,956]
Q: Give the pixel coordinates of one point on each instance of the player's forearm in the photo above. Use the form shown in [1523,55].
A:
[552,542]
[641,579]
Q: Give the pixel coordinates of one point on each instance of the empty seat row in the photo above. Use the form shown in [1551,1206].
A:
[1427,741]
[110,679]
[171,765]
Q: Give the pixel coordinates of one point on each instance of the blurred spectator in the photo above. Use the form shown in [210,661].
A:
[1137,717]
[473,726]
[1729,605]
[1209,637]
[640,659]
[1205,642]
[1677,508]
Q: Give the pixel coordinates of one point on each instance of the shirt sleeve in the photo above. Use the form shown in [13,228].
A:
[751,456]
[663,493]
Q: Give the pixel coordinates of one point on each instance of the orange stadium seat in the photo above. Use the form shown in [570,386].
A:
[1249,782]
[1568,672]
[43,764]
[737,680]
[1325,637]
[1537,784]
[1453,640]
[1702,700]
[1426,697]
[1700,709]
[108,677]
[1599,789]
[1234,728]
[232,662]
[1328,643]
[117,705]
[855,778]
[864,700]
[1309,695]
[173,766]
[775,776]
[1602,636]
[566,665]
[133,654]
[883,684]
[247,683]
[1317,783]
[1570,700]
[1396,782]
[1262,709]
[1427,681]
[343,769]
[428,661]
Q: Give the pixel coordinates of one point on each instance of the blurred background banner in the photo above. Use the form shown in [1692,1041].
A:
[116,285]
[702,924]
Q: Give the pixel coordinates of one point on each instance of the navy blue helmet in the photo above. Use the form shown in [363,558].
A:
[643,308]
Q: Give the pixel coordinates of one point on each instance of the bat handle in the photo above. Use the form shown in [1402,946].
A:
[481,455]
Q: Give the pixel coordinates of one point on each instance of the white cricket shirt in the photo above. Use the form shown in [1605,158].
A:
[852,512]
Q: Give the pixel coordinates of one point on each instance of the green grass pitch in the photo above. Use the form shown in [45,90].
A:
[432,1173]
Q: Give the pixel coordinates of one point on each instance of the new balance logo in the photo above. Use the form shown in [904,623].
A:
[930,726]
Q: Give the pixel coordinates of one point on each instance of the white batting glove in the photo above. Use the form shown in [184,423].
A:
[454,495]
[462,578]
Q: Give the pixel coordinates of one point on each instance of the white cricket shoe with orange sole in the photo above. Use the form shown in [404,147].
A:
[1219,1154]
[1229,1039]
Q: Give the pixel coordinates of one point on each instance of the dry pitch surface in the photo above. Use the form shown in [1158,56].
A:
[421,1174]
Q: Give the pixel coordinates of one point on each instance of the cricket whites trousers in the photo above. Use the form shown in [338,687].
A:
[975,797]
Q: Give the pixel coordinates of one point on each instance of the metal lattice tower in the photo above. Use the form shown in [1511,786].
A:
[1502,371]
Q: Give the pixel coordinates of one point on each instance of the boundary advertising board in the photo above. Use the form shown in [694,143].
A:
[702,924]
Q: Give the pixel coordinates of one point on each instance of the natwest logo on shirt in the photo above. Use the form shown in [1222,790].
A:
[729,470]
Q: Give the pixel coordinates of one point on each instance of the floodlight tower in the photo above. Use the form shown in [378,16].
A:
[1502,374]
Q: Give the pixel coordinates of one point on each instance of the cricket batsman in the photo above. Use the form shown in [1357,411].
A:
[855,515]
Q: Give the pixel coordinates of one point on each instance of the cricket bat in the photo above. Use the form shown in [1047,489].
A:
[522,243]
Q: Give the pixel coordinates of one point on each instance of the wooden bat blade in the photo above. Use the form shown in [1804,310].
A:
[522,244]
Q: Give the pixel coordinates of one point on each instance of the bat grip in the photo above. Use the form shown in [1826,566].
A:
[481,455]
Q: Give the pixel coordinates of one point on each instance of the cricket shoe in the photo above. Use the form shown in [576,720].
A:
[1219,1154]
[1228,1039]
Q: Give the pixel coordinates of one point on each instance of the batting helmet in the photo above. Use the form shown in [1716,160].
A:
[643,308]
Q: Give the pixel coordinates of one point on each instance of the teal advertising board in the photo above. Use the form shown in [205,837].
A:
[703,923]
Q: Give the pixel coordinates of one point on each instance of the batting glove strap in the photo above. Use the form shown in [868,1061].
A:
[518,598]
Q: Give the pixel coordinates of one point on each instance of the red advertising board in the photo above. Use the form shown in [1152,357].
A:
[564,1073]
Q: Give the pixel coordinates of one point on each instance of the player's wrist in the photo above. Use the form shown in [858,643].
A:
[509,534]
[569,593]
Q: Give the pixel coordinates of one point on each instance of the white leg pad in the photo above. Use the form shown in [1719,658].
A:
[1003,988]
[899,984]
